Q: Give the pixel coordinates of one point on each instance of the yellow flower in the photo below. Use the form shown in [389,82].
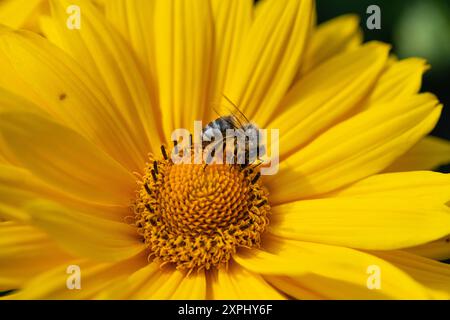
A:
[352,212]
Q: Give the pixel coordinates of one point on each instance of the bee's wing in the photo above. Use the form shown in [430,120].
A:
[228,110]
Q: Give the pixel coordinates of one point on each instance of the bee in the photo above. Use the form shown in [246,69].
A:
[247,145]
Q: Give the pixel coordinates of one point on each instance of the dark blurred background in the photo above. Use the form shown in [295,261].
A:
[414,28]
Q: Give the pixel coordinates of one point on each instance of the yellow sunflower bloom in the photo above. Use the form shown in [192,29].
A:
[85,182]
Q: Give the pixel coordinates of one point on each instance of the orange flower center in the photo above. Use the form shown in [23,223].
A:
[197,216]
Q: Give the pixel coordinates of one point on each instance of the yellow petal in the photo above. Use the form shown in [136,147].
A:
[13,193]
[25,252]
[270,57]
[84,234]
[10,101]
[264,262]
[52,285]
[162,286]
[44,74]
[293,288]
[152,282]
[127,286]
[101,51]
[12,213]
[192,287]
[439,249]
[429,153]
[15,92]
[326,94]
[18,186]
[331,38]
[133,19]
[16,13]
[379,223]
[400,79]
[184,52]
[232,21]
[64,159]
[354,149]
[236,283]
[337,273]
[426,186]
[433,275]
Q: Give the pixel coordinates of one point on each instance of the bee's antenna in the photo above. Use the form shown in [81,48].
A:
[229,100]
[241,114]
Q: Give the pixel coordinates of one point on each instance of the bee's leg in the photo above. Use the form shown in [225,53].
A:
[175,145]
